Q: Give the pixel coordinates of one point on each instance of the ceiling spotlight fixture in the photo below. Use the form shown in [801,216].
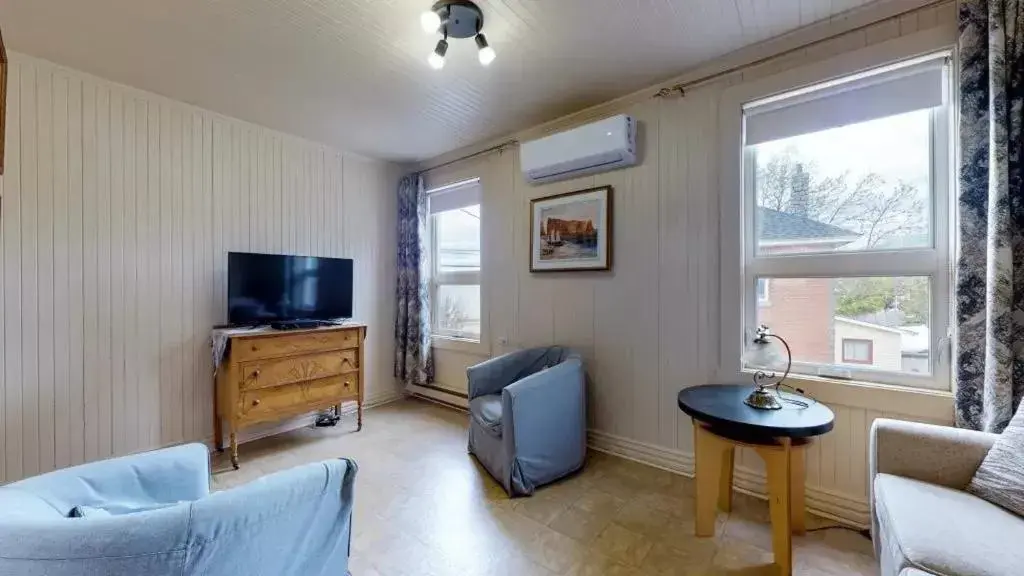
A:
[484,51]
[436,58]
[456,19]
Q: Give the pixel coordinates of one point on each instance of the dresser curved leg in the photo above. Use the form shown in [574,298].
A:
[234,450]
[218,435]
[359,416]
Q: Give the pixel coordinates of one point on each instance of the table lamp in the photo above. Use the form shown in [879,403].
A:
[761,353]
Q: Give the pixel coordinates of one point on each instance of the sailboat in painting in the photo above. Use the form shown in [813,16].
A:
[555,239]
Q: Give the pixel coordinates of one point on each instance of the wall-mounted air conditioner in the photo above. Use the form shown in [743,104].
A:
[599,147]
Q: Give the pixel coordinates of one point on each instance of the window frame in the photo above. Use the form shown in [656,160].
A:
[741,266]
[460,341]
[764,298]
[871,351]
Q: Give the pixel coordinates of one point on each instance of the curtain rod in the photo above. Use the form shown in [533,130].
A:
[681,87]
[495,148]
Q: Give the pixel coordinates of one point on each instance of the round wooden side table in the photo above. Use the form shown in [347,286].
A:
[722,422]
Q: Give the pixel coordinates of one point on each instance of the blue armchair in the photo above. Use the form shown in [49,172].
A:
[153,513]
[528,423]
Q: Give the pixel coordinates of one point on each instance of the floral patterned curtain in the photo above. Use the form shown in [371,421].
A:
[990,269]
[414,363]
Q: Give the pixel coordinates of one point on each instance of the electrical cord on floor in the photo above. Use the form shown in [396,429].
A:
[862,532]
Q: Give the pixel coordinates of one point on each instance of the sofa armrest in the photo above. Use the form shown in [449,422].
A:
[128,483]
[297,521]
[934,454]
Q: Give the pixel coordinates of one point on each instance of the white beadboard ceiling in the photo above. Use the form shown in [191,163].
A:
[353,73]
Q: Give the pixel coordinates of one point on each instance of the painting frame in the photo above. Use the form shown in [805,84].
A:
[603,233]
[3,101]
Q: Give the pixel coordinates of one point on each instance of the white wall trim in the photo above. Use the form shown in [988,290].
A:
[843,508]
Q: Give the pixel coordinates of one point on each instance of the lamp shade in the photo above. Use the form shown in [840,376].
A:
[767,354]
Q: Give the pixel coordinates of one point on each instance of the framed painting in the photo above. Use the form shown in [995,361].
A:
[572,231]
[3,101]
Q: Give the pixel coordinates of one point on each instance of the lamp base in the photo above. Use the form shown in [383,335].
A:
[762,400]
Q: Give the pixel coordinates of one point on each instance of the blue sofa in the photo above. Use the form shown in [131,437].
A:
[153,514]
[528,422]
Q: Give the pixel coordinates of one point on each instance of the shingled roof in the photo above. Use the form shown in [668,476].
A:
[775,225]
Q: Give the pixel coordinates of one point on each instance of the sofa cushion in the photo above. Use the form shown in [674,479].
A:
[944,531]
[1000,478]
[486,410]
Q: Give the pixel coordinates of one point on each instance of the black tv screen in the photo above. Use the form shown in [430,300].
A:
[264,288]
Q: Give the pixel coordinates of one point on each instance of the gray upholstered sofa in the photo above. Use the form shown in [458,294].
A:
[528,423]
[922,520]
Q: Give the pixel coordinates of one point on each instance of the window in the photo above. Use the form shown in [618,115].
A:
[762,290]
[455,260]
[858,351]
[845,188]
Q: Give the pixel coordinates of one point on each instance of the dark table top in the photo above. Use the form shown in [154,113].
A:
[721,407]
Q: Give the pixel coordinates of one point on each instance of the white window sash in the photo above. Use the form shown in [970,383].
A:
[918,262]
[932,262]
[461,278]
[453,197]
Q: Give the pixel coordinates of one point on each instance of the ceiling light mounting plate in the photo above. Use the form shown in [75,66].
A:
[459,18]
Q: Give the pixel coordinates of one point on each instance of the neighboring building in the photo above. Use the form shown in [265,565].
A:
[804,316]
[865,344]
[915,348]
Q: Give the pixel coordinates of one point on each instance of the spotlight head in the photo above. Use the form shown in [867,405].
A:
[436,58]
[485,53]
[430,21]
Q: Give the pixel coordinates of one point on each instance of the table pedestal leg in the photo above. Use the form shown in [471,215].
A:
[725,479]
[712,455]
[798,516]
[778,462]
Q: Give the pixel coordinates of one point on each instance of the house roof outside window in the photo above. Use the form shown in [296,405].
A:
[777,228]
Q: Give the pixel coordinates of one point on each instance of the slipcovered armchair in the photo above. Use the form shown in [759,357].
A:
[923,522]
[153,513]
[528,422]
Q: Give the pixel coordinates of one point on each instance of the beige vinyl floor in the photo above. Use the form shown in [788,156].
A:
[424,507]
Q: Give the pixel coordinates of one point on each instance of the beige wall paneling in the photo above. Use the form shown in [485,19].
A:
[651,325]
[119,209]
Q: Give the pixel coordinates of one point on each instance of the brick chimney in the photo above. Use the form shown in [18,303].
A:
[800,182]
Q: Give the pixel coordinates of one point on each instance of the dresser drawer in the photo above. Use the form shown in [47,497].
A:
[284,344]
[281,401]
[282,371]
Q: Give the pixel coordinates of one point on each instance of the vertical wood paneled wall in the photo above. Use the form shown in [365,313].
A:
[118,210]
[651,325]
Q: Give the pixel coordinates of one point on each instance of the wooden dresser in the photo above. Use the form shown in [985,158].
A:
[273,375]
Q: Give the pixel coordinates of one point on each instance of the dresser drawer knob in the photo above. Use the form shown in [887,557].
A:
[256,402]
[256,373]
[347,383]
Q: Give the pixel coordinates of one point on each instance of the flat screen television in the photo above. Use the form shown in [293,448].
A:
[266,288]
